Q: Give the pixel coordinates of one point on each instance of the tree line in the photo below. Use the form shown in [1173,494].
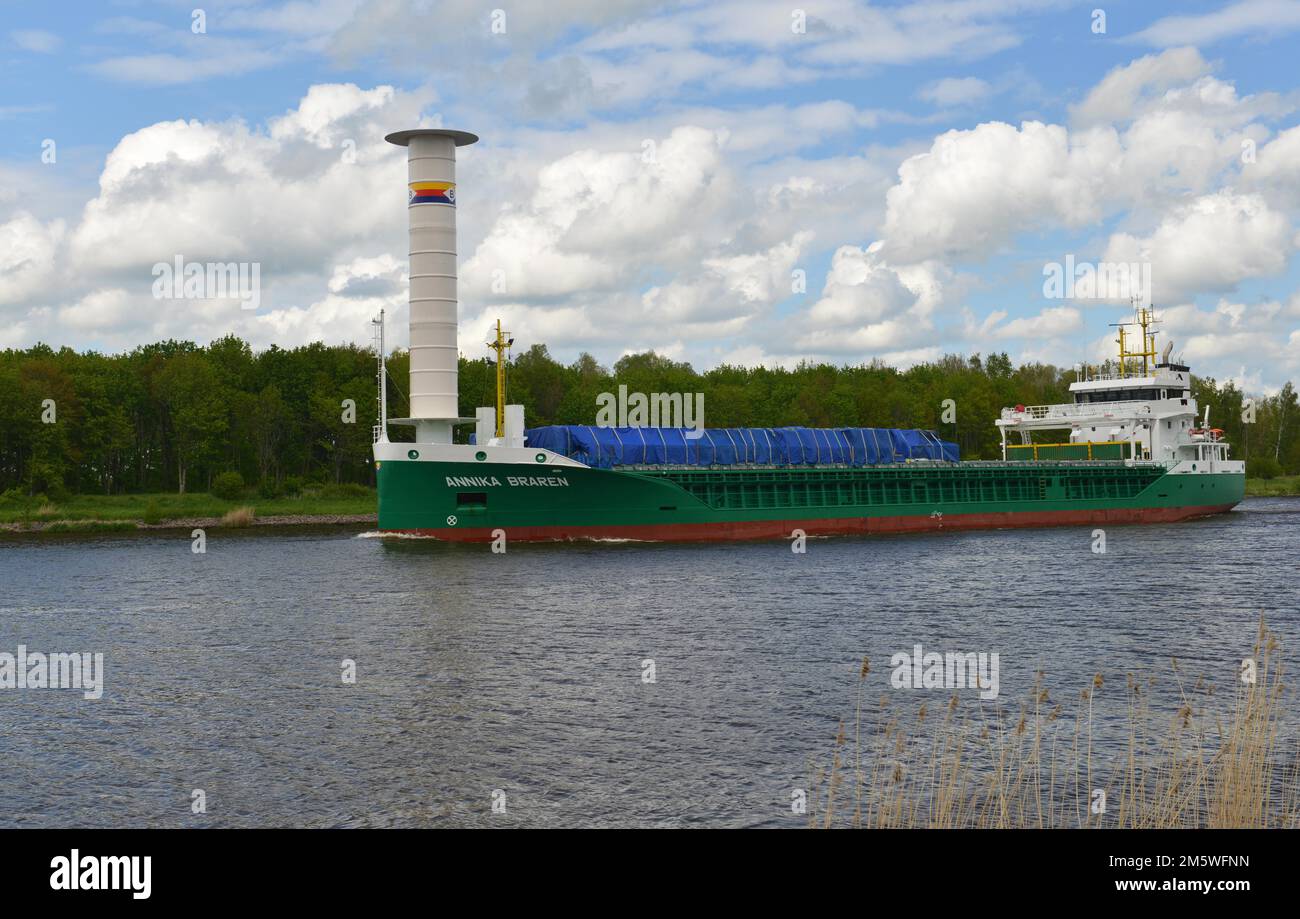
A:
[172,416]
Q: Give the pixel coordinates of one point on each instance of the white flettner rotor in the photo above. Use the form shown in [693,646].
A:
[431,212]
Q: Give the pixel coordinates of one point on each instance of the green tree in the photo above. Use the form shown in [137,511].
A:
[197,411]
[266,417]
[343,443]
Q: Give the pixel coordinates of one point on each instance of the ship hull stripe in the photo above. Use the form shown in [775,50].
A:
[783,529]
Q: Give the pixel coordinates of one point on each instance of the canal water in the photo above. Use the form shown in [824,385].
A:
[584,684]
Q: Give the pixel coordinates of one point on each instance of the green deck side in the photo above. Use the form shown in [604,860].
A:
[415,495]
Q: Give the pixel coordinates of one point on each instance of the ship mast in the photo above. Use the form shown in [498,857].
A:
[1145,318]
[500,346]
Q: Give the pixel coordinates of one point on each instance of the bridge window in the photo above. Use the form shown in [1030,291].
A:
[1119,395]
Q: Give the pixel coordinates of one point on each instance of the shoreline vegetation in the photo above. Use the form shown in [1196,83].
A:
[331,505]
[1187,755]
[1280,487]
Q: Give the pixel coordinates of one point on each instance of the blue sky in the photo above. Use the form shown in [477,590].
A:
[918,164]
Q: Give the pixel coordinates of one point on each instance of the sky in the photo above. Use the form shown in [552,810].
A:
[733,181]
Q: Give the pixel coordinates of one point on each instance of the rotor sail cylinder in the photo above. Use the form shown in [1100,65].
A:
[431,213]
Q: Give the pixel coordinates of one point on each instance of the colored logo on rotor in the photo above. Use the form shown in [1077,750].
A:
[432,193]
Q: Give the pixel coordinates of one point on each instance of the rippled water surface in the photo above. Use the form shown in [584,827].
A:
[523,672]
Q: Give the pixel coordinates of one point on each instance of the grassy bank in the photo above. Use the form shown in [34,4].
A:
[1271,488]
[124,512]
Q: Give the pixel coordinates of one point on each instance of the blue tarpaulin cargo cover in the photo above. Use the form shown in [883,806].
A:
[793,446]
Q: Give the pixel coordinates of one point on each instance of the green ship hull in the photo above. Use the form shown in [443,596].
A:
[471,501]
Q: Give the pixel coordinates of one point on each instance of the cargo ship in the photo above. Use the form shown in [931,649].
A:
[1129,448]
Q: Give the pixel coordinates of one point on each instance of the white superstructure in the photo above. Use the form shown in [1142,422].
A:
[1147,407]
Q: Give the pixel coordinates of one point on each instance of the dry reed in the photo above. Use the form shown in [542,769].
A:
[1190,763]
[238,517]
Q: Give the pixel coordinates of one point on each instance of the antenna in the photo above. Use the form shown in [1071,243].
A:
[381,430]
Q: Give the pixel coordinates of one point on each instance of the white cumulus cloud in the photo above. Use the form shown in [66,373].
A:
[1209,245]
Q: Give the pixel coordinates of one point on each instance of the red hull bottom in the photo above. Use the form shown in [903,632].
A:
[847,526]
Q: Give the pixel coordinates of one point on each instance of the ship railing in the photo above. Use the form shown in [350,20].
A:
[1075,410]
[1115,375]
